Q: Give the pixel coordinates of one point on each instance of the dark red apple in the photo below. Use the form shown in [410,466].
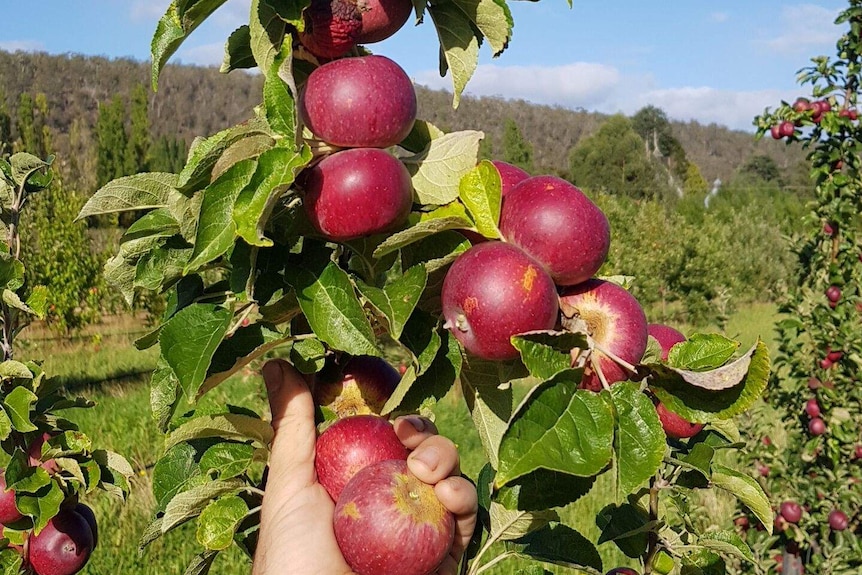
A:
[801,105]
[388,522]
[361,387]
[615,322]
[838,520]
[786,129]
[90,517]
[332,27]
[833,293]
[63,546]
[363,102]
[351,444]
[494,291]
[812,408]
[676,426]
[742,522]
[8,510]
[816,426]
[622,571]
[829,230]
[834,356]
[857,451]
[383,18]
[510,176]
[666,336]
[357,193]
[775,130]
[791,511]
[554,222]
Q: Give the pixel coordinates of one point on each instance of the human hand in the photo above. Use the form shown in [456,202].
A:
[296,533]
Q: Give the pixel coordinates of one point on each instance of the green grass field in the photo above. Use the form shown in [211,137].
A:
[104,366]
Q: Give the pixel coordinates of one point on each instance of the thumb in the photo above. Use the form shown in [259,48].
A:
[291,462]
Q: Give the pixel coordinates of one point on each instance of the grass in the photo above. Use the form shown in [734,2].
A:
[104,366]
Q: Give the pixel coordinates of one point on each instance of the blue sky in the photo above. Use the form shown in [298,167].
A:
[721,62]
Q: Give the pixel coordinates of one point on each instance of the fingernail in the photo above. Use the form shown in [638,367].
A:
[428,456]
[272,374]
[417,422]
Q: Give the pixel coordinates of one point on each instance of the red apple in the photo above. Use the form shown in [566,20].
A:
[812,408]
[34,453]
[816,426]
[615,322]
[494,291]
[332,27]
[838,520]
[801,105]
[833,293]
[676,426]
[742,522]
[834,356]
[383,18]
[554,222]
[356,193]
[63,546]
[666,337]
[791,511]
[857,451]
[776,132]
[825,363]
[622,571]
[361,387]
[786,129]
[829,230]
[350,445]
[510,176]
[388,522]
[8,510]
[364,102]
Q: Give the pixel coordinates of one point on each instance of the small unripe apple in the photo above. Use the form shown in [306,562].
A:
[763,470]
[857,451]
[350,445]
[742,522]
[829,229]
[812,408]
[816,426]
[791,511]
[388,522]
[838,520]
[766,440]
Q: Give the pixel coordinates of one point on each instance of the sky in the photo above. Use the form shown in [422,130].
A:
[712,62]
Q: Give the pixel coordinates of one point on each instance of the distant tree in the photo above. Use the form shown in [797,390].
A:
[34,135]
[613,160]
[168,154]
[5,127]
[762,168]
[695,184]
[138,145]
[516,150]
[486,148]
[112,141]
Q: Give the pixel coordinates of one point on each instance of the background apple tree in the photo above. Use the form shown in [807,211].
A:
[813,472]
[247,278]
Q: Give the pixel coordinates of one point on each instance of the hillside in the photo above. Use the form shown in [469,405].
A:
[194,101]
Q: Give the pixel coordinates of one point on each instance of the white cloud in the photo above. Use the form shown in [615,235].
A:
[148,9]
[803,26]
[204,55]
[21,46]
[719,17]
[601,88]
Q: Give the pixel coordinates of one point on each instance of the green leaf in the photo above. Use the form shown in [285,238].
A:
[438,169]
[702,352]
[227,459]
[458,42]
[37,301]
[12,300]
[480,191]
[640,442]
[162,267]
[229,426]
[747,490]
[216,228]
[41,505]
[234,354]
[121,274]
[24,165]
[11,561]
[559,428]
[421,337]
[329,302]
[180,20]
[278,101]
[266,34]
[308,355]
[276,172]
[201,564]
[18,405]
[559,545]
[507,525]
[492,18]
[398,298]
[176,471]
[627,526]
[11,369]
[164,393]
[547,354]
[189,340]
[727,543]
[5,424]
[24,478]
[543,489]
[700,459]
[414,391]
[237,51]
[217,523]
[489,399]
[189,504]
[11,272]
[131,193]
[420,231]
[700,405]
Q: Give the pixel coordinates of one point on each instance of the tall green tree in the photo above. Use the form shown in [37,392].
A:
[168,154]
[613,160]
[5,127]
[138,145]
[112,141]
[516,150]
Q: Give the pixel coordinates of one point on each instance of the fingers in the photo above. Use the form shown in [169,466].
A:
[292,408]
[435,459]
[413,430]
[459,496]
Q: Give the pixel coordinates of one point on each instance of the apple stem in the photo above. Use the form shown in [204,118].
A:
[598,369]
[254,490]
[617,359]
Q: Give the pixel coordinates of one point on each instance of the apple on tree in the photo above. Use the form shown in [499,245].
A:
[9,513]
[675,426]
[63,547]
[791,511]
[361,387]
[510,176]
[616,325]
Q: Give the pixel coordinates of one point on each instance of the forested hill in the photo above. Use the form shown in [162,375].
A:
[194,101]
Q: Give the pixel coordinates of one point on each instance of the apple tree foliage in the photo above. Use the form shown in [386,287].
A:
[69,464]
[246,278]
[820,340]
